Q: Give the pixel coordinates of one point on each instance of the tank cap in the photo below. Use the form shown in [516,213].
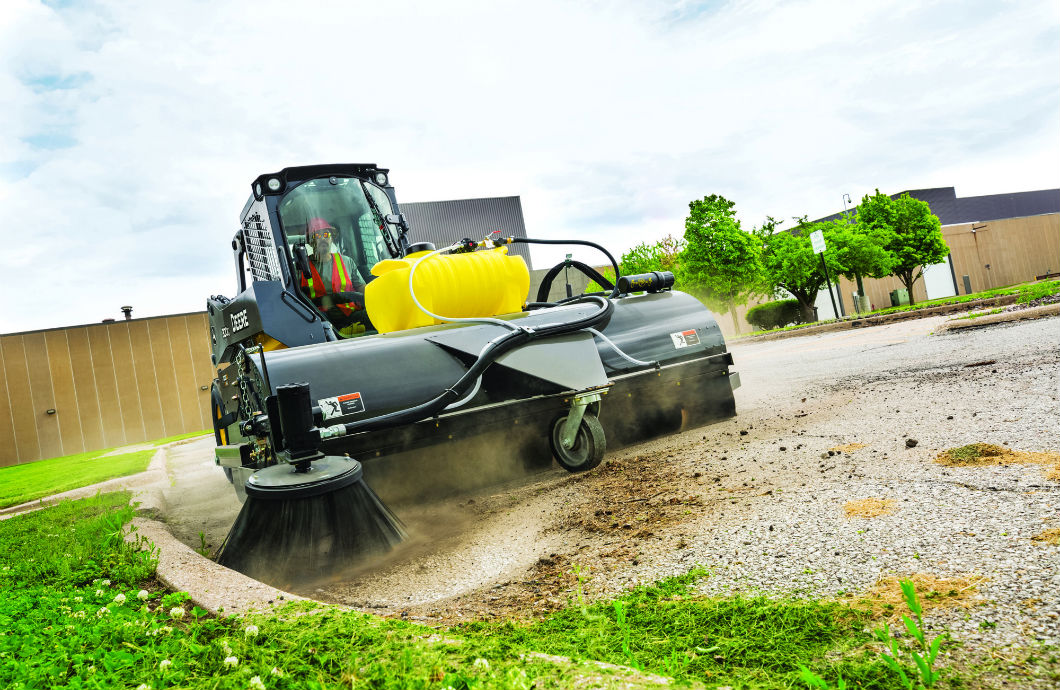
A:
[420,247]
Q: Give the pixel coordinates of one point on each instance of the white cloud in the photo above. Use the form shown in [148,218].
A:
[132,130]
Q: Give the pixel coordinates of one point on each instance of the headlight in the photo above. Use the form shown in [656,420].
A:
[274,184]
[380,179]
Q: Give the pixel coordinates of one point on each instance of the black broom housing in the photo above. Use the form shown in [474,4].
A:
[301,526]
[311,517]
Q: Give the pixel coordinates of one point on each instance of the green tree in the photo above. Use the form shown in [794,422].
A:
[789,263]
[859,250]
[720,262]
[916,234]
[660,256]
[645,258]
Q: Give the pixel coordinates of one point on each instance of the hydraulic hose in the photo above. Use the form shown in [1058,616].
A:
[489,354]
[528,240]
[620,353]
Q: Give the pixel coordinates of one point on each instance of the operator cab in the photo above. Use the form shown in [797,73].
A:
[336,227]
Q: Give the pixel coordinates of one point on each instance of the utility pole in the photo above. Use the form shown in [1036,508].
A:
[857,277]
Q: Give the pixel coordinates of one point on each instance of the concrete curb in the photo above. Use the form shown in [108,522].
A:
[217,589]
[1005,317]
[880,320]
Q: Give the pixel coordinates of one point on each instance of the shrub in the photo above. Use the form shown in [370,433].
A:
[774,314]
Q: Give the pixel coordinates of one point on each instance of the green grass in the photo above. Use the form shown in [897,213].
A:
[33,480]
[1026,292]
[80,610]
[22,483]
[738,641]
[981,313]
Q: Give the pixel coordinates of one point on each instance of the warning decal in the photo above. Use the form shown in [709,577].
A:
[341,405]
[685,338]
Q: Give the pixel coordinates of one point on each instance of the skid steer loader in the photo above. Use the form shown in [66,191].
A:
[397,347]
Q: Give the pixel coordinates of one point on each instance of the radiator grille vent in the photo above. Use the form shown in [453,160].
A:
[261,252]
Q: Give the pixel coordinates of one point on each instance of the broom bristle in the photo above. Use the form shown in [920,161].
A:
[285,540]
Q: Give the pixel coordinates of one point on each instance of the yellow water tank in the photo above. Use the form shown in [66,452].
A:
[482,283]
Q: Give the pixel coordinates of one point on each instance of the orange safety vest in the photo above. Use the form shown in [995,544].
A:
[340,282]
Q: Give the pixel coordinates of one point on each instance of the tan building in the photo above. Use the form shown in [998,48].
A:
[71,390]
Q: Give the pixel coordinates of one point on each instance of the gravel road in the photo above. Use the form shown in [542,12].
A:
[759,500]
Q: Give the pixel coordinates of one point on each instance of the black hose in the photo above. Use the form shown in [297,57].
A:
[488,357]
[546,282]
[528,240]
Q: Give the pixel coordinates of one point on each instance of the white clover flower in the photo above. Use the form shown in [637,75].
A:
[256,683]
[102,612]
[79,599]
[7,567]
[480,663]
[231,661]
[164,664]
[92,668]
[143,686]
[142,595]
[106,583]
[78,614]
[176,612]
[120,599]
[251,631]
[276,672]
[99,592]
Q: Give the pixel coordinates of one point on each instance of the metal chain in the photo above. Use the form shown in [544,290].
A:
[244,389]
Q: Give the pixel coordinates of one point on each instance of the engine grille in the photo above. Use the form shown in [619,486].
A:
[261,251]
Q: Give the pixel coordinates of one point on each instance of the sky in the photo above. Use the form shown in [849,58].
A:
[132,130]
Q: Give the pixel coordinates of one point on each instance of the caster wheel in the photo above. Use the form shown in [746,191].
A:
[589,444]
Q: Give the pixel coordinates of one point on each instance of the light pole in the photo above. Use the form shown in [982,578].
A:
[857,276]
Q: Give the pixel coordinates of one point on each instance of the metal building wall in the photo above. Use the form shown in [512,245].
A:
[109,385]
[1018,250]
[446,222]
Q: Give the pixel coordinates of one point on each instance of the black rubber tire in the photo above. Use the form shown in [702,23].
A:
[589,445]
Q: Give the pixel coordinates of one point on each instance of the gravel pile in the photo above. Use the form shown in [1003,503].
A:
[791,536]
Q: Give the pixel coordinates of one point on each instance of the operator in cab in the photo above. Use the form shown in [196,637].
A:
[331,281]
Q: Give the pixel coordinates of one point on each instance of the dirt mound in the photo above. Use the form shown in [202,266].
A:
[1049,536]
[636,496]
[980,454]
[886,600]
[869,507]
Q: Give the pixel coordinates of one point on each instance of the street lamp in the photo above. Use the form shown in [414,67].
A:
[861,287]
